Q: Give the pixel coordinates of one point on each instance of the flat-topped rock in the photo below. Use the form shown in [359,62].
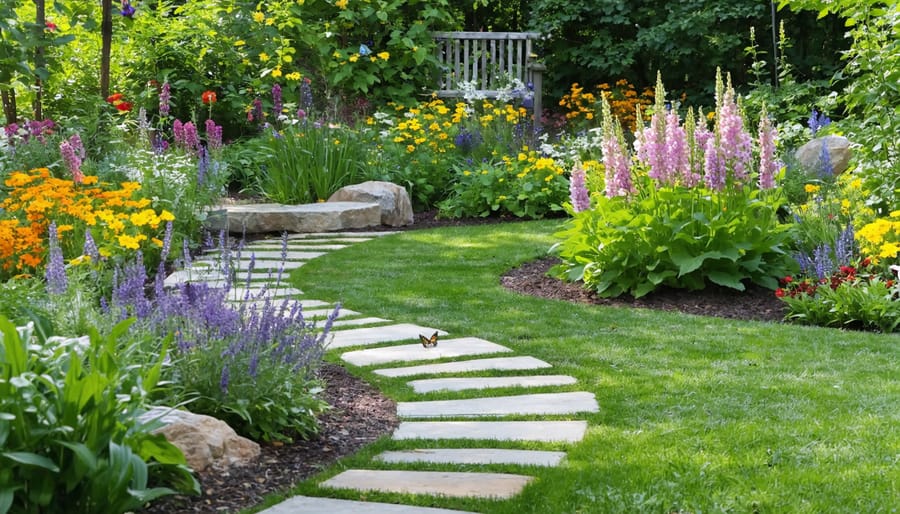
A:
[312,505]
[463,383]
[440,483]
[259,218]
[275,255]
[540,431]
[375,335]
[474,456]
[525,404]
[496,363]
[416,352]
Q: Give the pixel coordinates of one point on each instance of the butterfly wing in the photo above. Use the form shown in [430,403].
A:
[429,341]
[364,50]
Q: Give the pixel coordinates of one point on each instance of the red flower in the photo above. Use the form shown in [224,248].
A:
[779,292]
[124,106]
[865,262]
[787,280]
[117,97]
[889,283]
[208,97]
[51,26]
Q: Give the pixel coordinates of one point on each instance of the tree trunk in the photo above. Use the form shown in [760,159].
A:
[105,50]
[40,62]
[9,105]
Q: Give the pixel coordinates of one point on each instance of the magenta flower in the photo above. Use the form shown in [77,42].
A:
[677,164]
[615,159]
[276,100]
[213,135]
[734,142]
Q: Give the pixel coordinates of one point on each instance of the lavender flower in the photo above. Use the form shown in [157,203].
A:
[845,247]
[159,144]
[816,121]
[822,261]
[90,247]
[578,193]
[467,141]
[223,380]
[276,101]
[202,165]
[55,274]
[165,98]
[256,112]
[306,96]
[826,169]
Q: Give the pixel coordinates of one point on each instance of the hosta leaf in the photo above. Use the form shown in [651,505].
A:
[31,459]
[726,279]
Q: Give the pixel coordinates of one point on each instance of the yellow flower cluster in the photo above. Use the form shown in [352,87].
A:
[623,99]
[119,219]
[880,239]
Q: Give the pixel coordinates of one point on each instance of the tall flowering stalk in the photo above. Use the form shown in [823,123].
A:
[768,165]
[73,154]
[615,156]
[578,192]
[278,106]
[55,274]
[165,99]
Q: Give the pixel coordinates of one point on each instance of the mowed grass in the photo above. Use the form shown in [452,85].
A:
[697,414]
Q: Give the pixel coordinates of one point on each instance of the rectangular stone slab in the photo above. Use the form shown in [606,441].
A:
[474,456]
[275,255]
[323,313]
[312,505]
[416,352]
[274,247]
[440,483]
[304,303]
[265,264]
[359,321]
[463,383]
[525,404]
[370,336]
[541,431]
[497,363]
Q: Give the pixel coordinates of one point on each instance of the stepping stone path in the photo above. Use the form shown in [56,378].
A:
[393,350]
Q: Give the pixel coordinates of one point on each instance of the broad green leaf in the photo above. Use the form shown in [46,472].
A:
[31,459]
[726,279]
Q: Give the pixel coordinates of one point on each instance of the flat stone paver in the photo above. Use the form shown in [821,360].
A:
[416,352]
[525,404]
[274,247]
[496,363]
[263,264]
[441,483]
[206,274]
[325,238]
[541,431]
[304,303]
[354,236]
[359,321]
[260,293]
[463,383]
[375,335]
[323,313]
[312,505]
[275,255]
[474,456]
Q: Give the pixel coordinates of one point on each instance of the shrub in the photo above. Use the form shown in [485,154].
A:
[252,366]
[686,213]
[69,436]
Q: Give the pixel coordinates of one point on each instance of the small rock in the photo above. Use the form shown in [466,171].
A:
[205,441]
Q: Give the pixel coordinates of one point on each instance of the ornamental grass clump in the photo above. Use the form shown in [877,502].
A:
[252,365]
[687,206]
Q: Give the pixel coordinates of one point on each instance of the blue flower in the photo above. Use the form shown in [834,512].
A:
[127,9]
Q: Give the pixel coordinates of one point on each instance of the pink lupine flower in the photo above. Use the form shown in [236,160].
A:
[768,165]
[165,97]
[213,135]
[676,152]
[578,193]
[72,152]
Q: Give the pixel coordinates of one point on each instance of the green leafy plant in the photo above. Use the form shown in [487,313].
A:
[675,237]
[685,211]
[306,163]
[69,436]
[528,186]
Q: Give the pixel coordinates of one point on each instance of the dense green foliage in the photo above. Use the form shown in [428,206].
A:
[70,440]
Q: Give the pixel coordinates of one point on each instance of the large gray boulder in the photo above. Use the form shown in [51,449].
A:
[810,156]
[396,208]
[205,441]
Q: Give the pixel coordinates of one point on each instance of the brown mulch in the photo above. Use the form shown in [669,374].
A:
[360,414]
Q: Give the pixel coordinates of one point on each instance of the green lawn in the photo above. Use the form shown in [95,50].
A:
[696,414]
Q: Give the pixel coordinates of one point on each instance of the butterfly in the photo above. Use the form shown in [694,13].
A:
[426,342]
[364,50]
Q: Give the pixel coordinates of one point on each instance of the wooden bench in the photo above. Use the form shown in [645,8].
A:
[490,60]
